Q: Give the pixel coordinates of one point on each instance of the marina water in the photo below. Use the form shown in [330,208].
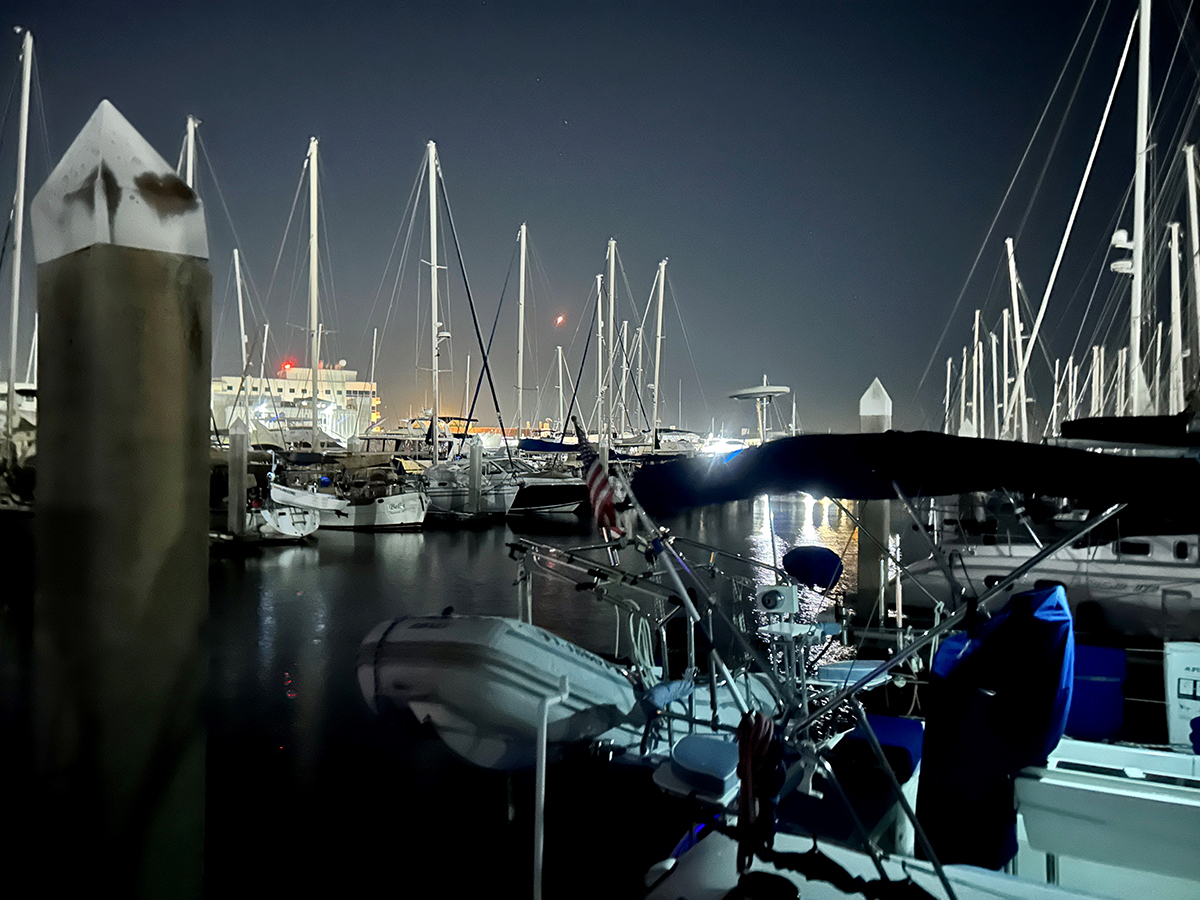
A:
[307,788]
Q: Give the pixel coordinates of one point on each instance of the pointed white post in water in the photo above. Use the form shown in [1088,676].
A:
[313,301]
[611,279]
[121,529]
[662,278]
[1175,397]
[1137,388]
[874,417]
[434,324]
[558,353]
[237,277]
[10,419]
[1194,235]
[521,337]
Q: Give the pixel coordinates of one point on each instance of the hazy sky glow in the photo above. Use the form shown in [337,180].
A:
[821,176]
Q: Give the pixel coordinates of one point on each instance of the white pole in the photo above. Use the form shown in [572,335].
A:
[600,361]
[262,362]
[433,292]
[1054,405]
[237,276]
[1021,359]
[31,366]
[995,393]
[1194,234]
[189,171]
[1156,390]
[662,278]
[612,327]
[1007,380]
[539,801]
[313,277]
[622,425]
[1121,382]
[640,371]
[1097,382]
[1072,385]
[962,392]
[521,338]
[975,377]
[1176,376]
[558,353]
[946,404]
[371,405]
[1136,377]
[18,234]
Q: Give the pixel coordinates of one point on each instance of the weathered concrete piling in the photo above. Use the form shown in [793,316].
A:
[124,295]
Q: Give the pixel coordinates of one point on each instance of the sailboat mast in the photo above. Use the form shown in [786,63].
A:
[612,328]
[521,339]
[600,360]
[662,277]
[433,292]
[313,311]
[1175,396]
[558,353]
[237,276]
[371,407]
[1017,342]
[18,234]
[1136,378]
[189,163]
[1194,230]
[31,366]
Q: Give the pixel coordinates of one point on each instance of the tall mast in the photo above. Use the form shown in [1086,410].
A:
[262,359]
[612,326]
[237,276]
[624,418]
[1017,341]
[521,339]
[371,407]
[18,234]
[995,392]
[1137,386]
[313,312]
[976,379]
[946,404]
[1175,394]
[662,278]
[189,159]
[600,360]
[433,291]
[31,366]
[558,353]
[1194,232]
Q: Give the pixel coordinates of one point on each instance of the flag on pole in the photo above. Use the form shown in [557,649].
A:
[600,491]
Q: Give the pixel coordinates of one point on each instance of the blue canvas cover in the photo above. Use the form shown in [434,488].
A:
[997,701]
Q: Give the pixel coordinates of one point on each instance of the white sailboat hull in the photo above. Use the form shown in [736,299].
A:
[391,513]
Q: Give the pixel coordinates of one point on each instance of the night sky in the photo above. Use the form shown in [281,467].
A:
[821,176]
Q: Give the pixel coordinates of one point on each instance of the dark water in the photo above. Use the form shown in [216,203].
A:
[308,793]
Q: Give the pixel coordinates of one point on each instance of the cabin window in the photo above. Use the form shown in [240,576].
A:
[1181,549]
[1133,548]
[291,390]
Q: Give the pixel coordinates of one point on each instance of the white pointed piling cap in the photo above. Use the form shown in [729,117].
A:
[875,402]
[112,187]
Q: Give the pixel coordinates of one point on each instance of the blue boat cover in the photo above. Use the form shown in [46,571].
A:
[818,567]
[997,701]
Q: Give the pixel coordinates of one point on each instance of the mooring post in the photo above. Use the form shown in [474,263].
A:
[124,293]
[875,417]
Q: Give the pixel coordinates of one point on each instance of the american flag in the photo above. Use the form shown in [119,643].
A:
[599,489]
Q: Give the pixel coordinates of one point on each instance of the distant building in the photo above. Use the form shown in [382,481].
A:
[281,407]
